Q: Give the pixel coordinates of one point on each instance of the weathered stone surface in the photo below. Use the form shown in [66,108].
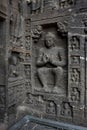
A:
[43,60]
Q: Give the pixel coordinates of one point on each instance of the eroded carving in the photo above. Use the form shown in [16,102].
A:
[75,60]
[66,110]
[75,75]
[27,57]
[35,101]
[13,68]
[75,95]
[28,71]
[39,6]
[75,43]
[62,28]
[36,33]
[51,108]
[35,6]
[51,59]
[65,3]
[27,44]
[29,99]
[50,5]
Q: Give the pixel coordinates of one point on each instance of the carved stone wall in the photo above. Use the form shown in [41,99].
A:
[58,61]
[43,54]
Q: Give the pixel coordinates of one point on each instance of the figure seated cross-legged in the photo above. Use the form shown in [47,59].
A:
[51,58]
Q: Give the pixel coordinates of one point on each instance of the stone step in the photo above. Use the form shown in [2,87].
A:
[34,123]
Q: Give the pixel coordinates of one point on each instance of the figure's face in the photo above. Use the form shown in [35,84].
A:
[66,106]
[49,42]
[39,28]
[74,39]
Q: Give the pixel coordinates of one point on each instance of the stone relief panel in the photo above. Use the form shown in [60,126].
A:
[27,44]
[65,3]
[36,102]
[16,24]
[75,60]
[49,64]
[62,28]
[46,68]
[76,75]
[36,33]
[51,108]
[14,66]
[27,60]
[39,6]
[66,110]
[28,71]
[75,95]
[75,43]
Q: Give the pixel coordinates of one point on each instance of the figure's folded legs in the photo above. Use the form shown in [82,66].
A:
[58,72]
[42,77]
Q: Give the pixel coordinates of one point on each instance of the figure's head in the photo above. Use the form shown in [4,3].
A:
[51,104]
[75,39]
[50,40]
[66,105]
[75,89]
[39,28]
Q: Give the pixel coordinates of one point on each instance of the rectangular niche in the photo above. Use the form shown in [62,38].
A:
[50,77]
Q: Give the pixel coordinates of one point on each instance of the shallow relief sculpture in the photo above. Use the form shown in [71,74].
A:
[66,110]
[49,63]
[40,6]
[50,59]
[14,67]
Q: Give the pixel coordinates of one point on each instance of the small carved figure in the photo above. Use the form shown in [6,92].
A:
[27,71]
[27,45]
[62,28]
[66,110]
[75,97]
[13,68]
[35,6]
[75,77]
[51,59]
[51,108]
[41,99]
[75,60]
[27,58]
[65,3]
[36,34]
[20,6]
[29,99]
[75,45]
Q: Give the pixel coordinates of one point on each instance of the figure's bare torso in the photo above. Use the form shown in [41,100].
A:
[53,54]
